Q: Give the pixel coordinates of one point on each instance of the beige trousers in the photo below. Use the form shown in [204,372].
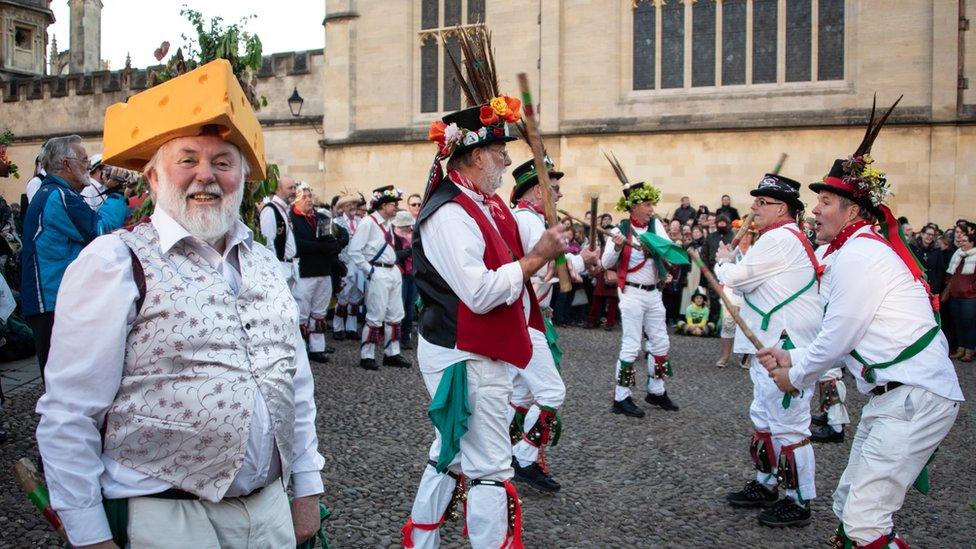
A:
[259,521]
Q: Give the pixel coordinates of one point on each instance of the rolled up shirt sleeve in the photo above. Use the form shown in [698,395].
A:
[307,462]
[853,302]
[455,247]
[82,377]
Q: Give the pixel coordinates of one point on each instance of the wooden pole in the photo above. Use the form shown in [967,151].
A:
[542,172]
[603,231]
[747,220]
[26,475]
[593,226]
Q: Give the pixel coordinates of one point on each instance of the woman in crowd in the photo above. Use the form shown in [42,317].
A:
[961,294]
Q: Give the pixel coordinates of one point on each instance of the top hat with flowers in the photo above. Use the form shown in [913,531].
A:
[634,193]
[856,177]
[384,195]
[488,115]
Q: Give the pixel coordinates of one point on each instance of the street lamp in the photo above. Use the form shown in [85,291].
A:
[295,103]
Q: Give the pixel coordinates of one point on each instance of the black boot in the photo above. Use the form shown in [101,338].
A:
[786,512]
[534,476]
[368,364]
[339,336]
[753,495]
[627,408]
[818,419]
[329,349]
[397,361]
[321,358]
[351,335]
[826,433]
[662,401]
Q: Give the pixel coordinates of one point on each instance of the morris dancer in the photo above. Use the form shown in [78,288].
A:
[884,324]
[777,278]
[345,321]
[371,251]
[538,389]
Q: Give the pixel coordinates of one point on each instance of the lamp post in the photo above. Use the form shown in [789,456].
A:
[295,103]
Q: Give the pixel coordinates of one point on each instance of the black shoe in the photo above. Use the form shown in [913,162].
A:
[662,401]
[397,361]
[753,495]
[329,349]
[627,408]
[785,513]
[406,345]
[351,335]
[535,477]
[321,358]
[339,336]
[818,419]
[826,433]
[368,364]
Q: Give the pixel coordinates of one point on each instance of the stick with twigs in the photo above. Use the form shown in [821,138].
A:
[605,232]
[542,173]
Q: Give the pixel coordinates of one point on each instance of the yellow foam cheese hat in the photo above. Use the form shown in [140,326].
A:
[182,107]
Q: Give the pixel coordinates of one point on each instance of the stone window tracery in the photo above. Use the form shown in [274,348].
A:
[439,90]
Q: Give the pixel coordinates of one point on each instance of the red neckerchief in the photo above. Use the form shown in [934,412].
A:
[462,181]
[637,224]
[525,204]
[845,234]
[310,217]
[776,225]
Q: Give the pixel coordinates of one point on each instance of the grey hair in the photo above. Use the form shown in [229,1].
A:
[464,159]
[865,214]
[153,163]
[56,150]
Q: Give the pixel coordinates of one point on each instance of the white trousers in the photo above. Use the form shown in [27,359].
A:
[837,415]
[260,520]
[384,306]
[897,434]
[348,298]
[486,453]
[314,294]
[539,383]
[641,313]
[785,426]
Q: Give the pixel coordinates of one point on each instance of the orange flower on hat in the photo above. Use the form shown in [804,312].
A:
[500,108]
[436,131]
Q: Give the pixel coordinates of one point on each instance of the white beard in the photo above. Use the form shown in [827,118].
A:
[209,224]
[494,178]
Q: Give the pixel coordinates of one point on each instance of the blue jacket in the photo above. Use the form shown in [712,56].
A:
[57,225]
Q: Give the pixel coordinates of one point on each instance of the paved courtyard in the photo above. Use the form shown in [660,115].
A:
[652,482]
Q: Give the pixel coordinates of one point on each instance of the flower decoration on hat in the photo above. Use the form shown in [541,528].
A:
[501,108]
[637,194]
[865,180]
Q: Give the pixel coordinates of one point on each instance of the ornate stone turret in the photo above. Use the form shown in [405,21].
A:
[23,38]
[85,20]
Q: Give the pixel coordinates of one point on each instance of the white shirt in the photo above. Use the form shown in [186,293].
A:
[455,248]
[349,223]
[34,184]
[367,241]
[773,269]
[531,225]
[92,193]
[874,305]
[84,372]
[646,274]
[269,227]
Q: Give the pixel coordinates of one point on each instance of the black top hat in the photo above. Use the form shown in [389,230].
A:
[527,177]
[779,187]
[385,195]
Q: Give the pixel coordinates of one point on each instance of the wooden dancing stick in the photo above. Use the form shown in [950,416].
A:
[603,231]
[746,330]
[593,227]
[26,475]
[542,173]
[747,220]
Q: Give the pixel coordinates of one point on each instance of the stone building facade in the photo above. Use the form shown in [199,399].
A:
[23,37]
[699,97]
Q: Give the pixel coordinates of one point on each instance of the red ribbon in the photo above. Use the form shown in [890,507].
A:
[407,530]
[634,222]
[776,225]
[525,204]
[513,539]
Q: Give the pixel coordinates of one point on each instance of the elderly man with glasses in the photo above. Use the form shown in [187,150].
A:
[68,224]
[777,278]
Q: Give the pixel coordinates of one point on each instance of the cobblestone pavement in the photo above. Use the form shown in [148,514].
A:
[652,482]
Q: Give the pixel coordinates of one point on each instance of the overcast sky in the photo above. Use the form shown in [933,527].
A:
[139,26]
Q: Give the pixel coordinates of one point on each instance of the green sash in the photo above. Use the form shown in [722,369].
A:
[552,338]
[449,411]
[766,316]
[788,396]
[908,352]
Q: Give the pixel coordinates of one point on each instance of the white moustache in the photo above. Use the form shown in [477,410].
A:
[199,188]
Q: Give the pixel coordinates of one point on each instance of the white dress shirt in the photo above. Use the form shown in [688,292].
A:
[774,268]
[83,375]
[367,241]
[455,248]
[531,226]
[875,305]
[269,227]
[646,274]
[92,193]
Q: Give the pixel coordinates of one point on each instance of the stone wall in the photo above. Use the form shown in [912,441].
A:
[40,108]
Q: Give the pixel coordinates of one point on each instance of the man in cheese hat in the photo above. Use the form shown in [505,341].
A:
[195,404]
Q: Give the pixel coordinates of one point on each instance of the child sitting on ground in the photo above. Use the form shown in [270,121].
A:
[696,317]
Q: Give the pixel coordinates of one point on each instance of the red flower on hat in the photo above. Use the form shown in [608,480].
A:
[500,108]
